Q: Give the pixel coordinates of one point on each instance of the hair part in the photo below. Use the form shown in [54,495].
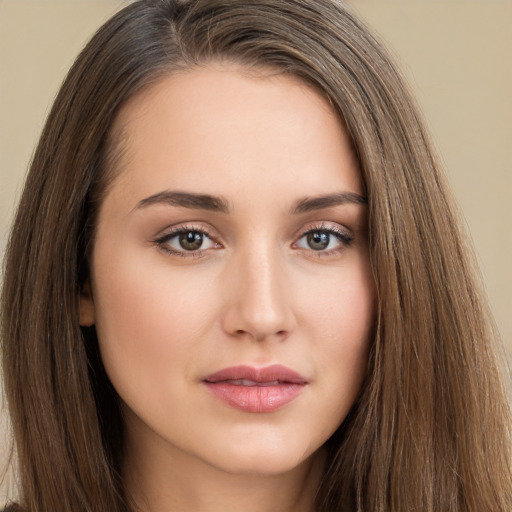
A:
[430,430]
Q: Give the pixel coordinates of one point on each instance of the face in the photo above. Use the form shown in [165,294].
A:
[230,280]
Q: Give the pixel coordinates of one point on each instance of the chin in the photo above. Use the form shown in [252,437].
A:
[267,460]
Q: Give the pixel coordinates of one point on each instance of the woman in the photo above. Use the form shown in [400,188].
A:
[236,280]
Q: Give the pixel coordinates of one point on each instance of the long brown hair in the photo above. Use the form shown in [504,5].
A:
[430,430]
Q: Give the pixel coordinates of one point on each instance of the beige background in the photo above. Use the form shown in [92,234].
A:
[456,54]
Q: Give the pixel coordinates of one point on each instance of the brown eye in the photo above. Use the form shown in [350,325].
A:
[318,240]
[186,242]
[191,240]
[329,240]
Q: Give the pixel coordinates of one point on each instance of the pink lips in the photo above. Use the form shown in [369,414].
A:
[256,389]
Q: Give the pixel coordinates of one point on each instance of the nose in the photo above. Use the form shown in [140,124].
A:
[259,305]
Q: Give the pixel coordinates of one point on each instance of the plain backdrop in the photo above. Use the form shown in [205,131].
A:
[456,55]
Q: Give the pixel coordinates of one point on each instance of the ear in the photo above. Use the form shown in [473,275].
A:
[87,312]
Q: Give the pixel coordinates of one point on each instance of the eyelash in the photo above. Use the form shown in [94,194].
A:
[163,241]
[341,235]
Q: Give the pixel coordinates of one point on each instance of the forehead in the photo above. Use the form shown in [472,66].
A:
[224,117]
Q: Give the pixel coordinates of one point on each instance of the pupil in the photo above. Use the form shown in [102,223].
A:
[318,240]
[191,240]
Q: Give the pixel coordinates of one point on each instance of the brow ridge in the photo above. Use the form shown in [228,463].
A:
[309,204]
[215,203]
[185,200]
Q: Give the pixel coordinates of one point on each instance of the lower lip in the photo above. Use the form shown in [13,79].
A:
[256,398]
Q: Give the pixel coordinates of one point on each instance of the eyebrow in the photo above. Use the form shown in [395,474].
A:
[218,204]
[309,204]
[186,200]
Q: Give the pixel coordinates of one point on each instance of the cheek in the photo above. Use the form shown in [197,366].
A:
[144,297]
[149,321]
[343,319]
[342,304]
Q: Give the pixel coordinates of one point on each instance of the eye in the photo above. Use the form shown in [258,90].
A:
[191,240]
[185,240]
[324,240]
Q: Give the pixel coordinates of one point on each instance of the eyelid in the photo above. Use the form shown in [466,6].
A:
[162,239]
[185,226]
[343,234]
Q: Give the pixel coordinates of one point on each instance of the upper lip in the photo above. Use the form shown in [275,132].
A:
[272,373]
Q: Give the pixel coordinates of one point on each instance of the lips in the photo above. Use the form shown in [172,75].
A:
[257,390]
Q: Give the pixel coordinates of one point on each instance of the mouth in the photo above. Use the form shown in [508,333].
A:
[257,390]
[246,382]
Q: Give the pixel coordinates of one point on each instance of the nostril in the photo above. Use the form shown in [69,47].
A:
[281,334]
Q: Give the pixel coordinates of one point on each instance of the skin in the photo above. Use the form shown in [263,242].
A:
[256,294]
